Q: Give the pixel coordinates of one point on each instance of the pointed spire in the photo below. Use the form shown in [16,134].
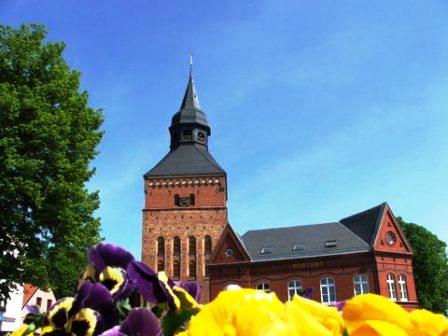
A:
[191,100]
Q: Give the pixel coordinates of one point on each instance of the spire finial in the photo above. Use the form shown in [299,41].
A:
[191,62]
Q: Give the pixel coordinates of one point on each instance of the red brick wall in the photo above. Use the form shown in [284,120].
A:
[162,218]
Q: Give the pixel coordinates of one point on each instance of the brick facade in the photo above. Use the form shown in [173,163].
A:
[163,218]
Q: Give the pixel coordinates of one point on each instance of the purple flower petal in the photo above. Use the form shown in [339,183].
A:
[102,255]
[115,331]
[307,293]
[146,282]
[33,309]
[141,321]
[91,295]
[192,288]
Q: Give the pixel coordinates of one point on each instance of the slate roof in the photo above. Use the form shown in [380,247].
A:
[187,159]
[311,238]
[366,223]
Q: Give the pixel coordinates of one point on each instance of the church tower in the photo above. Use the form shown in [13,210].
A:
[185,199]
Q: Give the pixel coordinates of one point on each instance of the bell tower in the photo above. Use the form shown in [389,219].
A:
[185,199]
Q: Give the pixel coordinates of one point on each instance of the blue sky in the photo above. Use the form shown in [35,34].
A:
[318,109]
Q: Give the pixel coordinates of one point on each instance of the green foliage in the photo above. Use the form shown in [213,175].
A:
[430,267]
[48,136]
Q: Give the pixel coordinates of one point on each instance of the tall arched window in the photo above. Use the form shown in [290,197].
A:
[391,287]
[327,290]
[176,269]
[160,265]
[360,284]
[207,245]
[176,245]
[192,269]
[160,246]
[192,245]
[294,287]
[264,286]
[403,287]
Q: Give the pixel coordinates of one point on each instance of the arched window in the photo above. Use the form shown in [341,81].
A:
[176,245]
[207,245]
[192,269]
[160,246]
[177,200]
[192,199]
[264,286]
[160,265]
[176,269]
[294,287]
[403,287]
[327,290]
[360,284]
[186,135]
[192,245]
[391,287]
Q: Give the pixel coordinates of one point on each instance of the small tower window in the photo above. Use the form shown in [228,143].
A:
[192,199]
[207,245]
[186,135]
[201,135]
[192,269]
[160,246]
[177,200]
[192,246]
[160,265]
[176,269]
[176,245]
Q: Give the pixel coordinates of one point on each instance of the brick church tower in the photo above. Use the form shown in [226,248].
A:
[185,199]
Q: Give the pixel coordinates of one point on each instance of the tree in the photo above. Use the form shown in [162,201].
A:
[48,136]
[430,267]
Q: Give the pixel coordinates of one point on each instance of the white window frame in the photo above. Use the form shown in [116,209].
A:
[264,286]
[296,286]
[330,285]
[363,281]
[391,287]
[404,296]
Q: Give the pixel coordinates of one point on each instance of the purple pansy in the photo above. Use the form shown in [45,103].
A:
[140,321]
[191,287]
[103,255]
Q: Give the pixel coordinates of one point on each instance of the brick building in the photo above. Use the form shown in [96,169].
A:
[185,199]
[185,227]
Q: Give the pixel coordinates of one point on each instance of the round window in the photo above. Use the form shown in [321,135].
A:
[391,238]
[228,252]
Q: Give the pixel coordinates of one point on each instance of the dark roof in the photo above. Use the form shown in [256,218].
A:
[311,241]
[366,223]
[187,159]
[190,111]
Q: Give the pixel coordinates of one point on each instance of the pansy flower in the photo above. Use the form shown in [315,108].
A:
[157,288]
[107,265]
[81,315]
[140,321]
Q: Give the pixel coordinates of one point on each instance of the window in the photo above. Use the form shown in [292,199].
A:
[331,243]
[207,245]
[39,301]
[327,290]
[176,245]
[298,247]
[186,135]
[177,200]
[49,302]
[294,287]
[192,245]
[360,284]
[160,246]
[264,287]
[267,249]
[160,265]
[192,199]
[176,269]
[192,269]
[403,288]
[391,287]
[201,135]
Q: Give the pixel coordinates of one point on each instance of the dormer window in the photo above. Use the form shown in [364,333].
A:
[331,243]
[201,135]
[267,249]
[298,247]
[186,135]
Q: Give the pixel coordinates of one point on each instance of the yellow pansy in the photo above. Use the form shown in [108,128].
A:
[242,312]
[22,330]
[426,323]
[312,318]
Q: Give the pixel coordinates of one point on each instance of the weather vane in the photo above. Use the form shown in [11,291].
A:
[191,61]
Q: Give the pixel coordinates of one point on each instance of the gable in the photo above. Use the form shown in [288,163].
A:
[229,249]
[390,237]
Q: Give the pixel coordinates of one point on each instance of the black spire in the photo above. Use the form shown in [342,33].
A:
[189,124]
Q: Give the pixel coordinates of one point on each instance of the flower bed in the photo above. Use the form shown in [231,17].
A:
[103,305]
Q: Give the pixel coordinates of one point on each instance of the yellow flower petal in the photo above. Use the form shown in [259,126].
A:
[112,278]
[426,323]
[58,315]
[371,307]
[378,328]
[21,331]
